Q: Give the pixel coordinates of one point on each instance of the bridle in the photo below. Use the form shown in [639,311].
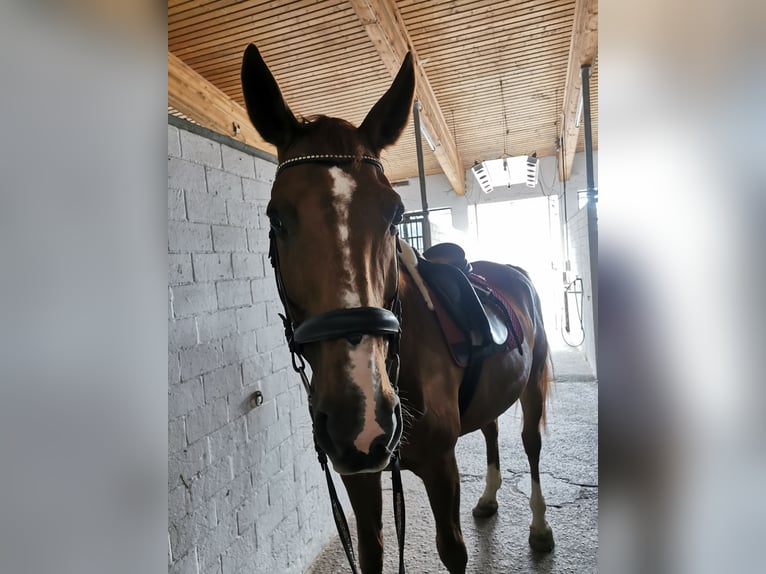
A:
[352,324]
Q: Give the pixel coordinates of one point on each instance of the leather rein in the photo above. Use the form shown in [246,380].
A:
[351,324]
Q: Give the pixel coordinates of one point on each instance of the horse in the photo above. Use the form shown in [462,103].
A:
[382,380]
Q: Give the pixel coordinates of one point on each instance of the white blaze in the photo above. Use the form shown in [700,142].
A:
[364,370]
[342,192]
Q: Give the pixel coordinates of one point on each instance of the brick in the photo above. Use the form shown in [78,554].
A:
[243,213]
[258,241]
[247,265]
[188,462]
[264,170]
[276,434]
[232,496]
[227,238]
[205,208]
[174,368]
[176,435]
[227,439]
[183,536]
[253,507]
[276,383]
[283,536]
[193,299]
[233,294]
[240,554]
[269,338]
[214,568]
[286,403]
[281,490]
[216,325]
[268,465]
[186,175]
[200,149]
[212,266]
[202,421]
[218,539]
[176,205]
[251,318]
[221,382]
[264,289]
[238,162]
[239,347]
[179,269]
[186,565]
[201,359]
[280,358]
[212,479]
[223,184]
[182,334]
[273,310]
[256,191]
[174,143]
[179,503]
[185,398]
[184,237]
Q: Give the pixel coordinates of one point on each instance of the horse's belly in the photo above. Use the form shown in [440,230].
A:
[502,380]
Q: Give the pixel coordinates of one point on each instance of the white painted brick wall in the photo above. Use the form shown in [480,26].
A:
[245,493]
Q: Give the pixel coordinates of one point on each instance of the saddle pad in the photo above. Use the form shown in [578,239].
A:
[458,344]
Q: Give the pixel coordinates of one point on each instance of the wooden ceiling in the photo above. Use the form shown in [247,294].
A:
[494,78]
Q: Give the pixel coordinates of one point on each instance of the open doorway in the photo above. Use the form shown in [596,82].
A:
[527,233]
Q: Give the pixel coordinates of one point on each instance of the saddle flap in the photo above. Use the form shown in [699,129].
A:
[459,298]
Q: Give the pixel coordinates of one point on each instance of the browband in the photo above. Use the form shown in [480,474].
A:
[329,159]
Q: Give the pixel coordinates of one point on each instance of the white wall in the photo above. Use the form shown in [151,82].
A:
[245,492]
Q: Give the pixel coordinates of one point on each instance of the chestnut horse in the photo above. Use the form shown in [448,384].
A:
[334,217]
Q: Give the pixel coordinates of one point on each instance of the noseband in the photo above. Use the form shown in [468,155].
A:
[351,324]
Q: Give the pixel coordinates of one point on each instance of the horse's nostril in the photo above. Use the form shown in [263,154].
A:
[379,447]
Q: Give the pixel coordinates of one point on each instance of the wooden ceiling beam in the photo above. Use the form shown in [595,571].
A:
[386,29]
[198,99]
[582,50]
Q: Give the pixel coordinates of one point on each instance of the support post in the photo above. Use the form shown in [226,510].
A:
[421,177]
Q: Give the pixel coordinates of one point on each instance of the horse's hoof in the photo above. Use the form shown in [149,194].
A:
[541,540]
[485,509]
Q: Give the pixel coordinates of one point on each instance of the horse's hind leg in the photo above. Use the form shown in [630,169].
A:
[532,401]
[442,482]
[487,505]
[364,491]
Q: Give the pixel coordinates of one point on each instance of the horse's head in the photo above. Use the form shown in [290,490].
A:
[333,221]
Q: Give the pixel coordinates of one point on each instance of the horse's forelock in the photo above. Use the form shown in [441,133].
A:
[321,134]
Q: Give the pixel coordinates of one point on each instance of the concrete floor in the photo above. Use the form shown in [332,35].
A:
[569,478]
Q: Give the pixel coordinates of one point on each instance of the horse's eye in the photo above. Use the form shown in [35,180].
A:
[397,219]
[276,223]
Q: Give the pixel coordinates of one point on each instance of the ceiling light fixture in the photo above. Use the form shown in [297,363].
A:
[532,164]
[482,176]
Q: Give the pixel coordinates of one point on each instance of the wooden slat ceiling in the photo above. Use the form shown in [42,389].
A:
[325,62]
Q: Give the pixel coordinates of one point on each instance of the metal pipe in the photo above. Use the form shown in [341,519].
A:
[421,177]
[585,71]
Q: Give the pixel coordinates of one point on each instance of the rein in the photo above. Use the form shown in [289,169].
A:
[351,324]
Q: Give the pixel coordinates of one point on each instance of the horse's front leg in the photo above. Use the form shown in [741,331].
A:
[442,482]
[365,494]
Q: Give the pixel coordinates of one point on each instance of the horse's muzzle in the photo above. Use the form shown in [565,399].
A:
[343,453]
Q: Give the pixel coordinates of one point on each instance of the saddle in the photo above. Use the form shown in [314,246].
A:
[475,320]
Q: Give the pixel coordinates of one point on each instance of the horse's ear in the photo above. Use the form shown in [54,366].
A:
[264,102]
[387,118]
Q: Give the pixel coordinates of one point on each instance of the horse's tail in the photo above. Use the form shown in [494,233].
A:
[545,383]
[542,363]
